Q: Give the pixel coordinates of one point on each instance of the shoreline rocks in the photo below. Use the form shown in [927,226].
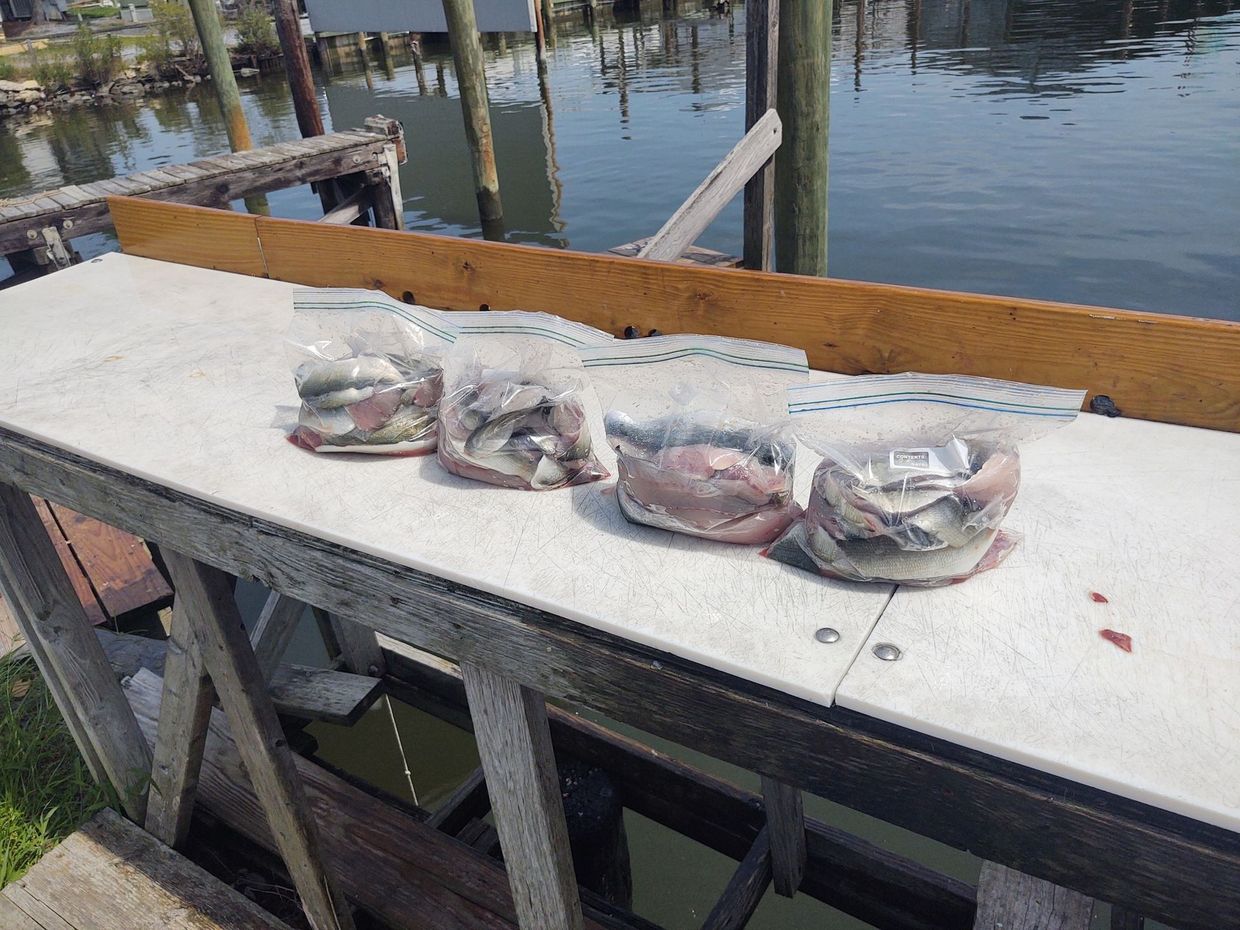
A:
[25,98]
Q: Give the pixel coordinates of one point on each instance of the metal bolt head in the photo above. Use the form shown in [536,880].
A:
[887,652]
[357,159]
[31,234]
[827,635]
[68,224]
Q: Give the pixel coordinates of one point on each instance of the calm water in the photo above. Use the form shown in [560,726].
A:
[1083,151]
[1052,148]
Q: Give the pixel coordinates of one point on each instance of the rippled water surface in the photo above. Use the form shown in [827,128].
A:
[1081,151]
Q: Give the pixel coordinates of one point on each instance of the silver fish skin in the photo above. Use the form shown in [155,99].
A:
[769,445]
[315,379]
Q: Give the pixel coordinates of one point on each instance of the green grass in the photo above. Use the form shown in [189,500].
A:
[46,791]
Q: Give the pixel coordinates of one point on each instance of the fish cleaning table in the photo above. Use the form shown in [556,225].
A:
[155,396]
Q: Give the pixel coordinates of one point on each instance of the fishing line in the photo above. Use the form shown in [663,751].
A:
[404,760]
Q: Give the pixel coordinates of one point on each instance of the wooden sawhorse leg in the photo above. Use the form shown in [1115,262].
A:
[69,657]
[205,601]
[514,741]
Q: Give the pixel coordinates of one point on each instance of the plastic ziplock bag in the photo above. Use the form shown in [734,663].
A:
[513,411]
[701,433]
[369,372]
[918,473]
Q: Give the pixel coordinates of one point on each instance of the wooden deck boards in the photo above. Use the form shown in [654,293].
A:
[111,875]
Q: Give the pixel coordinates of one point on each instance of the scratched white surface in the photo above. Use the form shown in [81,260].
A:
[175,374]
[1012,663]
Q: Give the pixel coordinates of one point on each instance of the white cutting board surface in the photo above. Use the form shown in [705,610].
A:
[175,374]
[1011,662]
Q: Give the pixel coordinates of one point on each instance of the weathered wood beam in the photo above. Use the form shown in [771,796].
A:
[843,871]
[1124,919]
[210,190]
[274,629]
[761,62]
[510,726]
[1011,900]
[70,659]
[296,690]
[358,647]
[468,801]
[206,599]
[182,735]
[1166,866]
[785,823]
[390,863]
[744,890]
[723,183]
[348,209]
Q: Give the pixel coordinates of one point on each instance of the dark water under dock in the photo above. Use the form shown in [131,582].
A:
[1049,148]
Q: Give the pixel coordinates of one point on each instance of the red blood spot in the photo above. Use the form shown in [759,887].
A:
[1098,598]
[1123,640]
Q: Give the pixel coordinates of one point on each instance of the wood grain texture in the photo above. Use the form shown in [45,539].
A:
[1124,919]
[110,875]
[44,917]
[68,654]
[1154,366]
[274,629]
[182,735]
[389,862]
[1010,900]
[785,827]
[14,918]
[723,183]
[514,743]
[117,563]
[1164,865]
[358,647]
[744,889]
[206,599]
[10,636]
[761,63]
[844,871]
[219,239]
[296,690]
[73,569]
[475,104]
[468,801]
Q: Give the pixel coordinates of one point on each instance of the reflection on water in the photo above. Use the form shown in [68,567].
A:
[1048,148]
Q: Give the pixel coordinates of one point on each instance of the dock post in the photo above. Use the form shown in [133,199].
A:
[785,824]
[761,62]
[801,165]
[70,658]
[297,67]
[514,743]
[207,21]
[471,77]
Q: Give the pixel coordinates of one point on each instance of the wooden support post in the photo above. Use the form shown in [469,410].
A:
[207,19]
[801,165]
[471,78]
[274,630]
[714,193]
[761,62]
[514,742]
[185,712]
[385,194]
[468,801]
[744,890]
[297,67]
[359,647]
[785,822]
[1011,900]
[69,657]
[206,598]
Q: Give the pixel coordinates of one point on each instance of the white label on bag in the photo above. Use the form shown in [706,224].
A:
[945,460]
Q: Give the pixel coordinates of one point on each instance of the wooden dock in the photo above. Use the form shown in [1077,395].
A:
[111,875]
[356,171]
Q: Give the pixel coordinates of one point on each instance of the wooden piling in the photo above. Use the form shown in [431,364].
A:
[297,67]
[761,61]
[471,78]
[801,164]
[207,21]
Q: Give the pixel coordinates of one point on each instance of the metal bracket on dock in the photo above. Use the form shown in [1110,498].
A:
[55,251]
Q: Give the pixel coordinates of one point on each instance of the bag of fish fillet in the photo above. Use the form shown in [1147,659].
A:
[701,433]
[917,473]
[513,412]
[369,371]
